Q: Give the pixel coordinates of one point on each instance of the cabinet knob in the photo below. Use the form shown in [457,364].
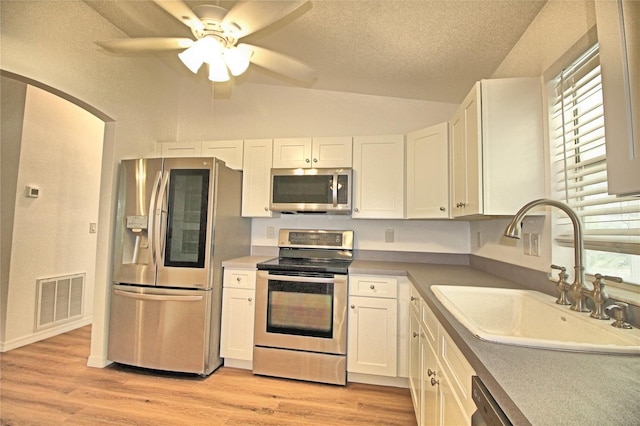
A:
[266,209]
[442,209]
[315,160]
[372,287]
[307,160]
[356,210]
[430,372]
[415,334]
[250,299]
[353,306]
[413,298]
[238,279]
[434,382]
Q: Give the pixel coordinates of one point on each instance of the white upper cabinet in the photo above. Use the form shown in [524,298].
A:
[179,149]
[427,176]
[312,152]
[256,177]
[619,38]
[497,148]
[228,151]
[378,176]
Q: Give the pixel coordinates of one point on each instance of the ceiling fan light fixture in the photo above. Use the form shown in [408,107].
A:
[205,49]
[218,70]
[237,60]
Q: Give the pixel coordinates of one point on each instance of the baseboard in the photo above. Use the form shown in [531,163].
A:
[370,379]
[238,363]
[98,362]
[45,334]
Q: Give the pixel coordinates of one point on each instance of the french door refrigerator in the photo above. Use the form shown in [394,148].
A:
[178,219]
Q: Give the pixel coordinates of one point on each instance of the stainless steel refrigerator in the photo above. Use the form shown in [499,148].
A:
[178,219]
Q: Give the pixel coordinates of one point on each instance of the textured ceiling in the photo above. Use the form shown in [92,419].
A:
[427,50]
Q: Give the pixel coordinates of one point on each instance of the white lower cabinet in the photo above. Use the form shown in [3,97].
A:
[238,303]
[372,343]
[440,376]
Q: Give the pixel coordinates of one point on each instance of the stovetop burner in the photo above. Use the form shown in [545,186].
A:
[312,251]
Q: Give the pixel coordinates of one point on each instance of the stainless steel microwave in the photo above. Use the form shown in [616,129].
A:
[311,190]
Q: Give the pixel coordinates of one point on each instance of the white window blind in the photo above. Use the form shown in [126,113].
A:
[610,223]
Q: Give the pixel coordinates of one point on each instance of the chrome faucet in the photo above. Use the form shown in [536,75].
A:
[577,287]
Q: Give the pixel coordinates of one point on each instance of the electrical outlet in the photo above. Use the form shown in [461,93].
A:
[271,232]
[526,242]
[388,235]
[479,239]
[535,244]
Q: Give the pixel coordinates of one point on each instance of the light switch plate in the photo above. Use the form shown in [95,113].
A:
[388,235]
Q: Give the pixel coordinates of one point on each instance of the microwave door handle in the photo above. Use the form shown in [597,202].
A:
[335,189]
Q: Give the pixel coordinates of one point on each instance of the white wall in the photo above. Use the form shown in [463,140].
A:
[557,28]
[61,152]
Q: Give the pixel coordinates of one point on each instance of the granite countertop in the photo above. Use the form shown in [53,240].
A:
[533,386]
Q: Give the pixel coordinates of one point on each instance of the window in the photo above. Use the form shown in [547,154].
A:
[611,224]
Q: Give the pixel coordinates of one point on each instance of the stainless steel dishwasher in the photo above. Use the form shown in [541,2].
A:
[488,412]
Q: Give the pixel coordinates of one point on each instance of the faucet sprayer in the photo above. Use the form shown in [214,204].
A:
[513,231]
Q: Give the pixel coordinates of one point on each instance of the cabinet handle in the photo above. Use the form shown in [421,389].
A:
[434,382]
[413,298]
[430,372]
[460,205]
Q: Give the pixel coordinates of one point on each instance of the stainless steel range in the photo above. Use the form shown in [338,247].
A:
[301,307]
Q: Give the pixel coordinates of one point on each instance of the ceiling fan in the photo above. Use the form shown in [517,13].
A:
[217,32]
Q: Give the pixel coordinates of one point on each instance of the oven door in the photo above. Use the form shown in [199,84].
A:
[301,312]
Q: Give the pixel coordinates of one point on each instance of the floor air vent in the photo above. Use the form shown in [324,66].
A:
[59,299]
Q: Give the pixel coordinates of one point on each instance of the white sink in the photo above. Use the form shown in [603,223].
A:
[533,319]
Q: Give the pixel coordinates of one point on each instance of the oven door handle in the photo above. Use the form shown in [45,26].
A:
[298,279]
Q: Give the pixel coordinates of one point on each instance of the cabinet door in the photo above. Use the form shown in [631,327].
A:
[228,151]
[292,153]
[373,334]
[428,173]
[179,149]
[378,175]
[415,365]
[466,183]
[236,334]
[619,38]
[451,411]
[429,401]
[332,152]
[256,185]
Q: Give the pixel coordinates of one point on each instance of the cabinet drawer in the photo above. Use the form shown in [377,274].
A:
[386,287]
[430,324]
[457,370]
[240,278]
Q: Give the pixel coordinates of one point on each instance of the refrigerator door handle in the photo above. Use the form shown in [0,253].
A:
[157,297]
[160,228]
[152,215]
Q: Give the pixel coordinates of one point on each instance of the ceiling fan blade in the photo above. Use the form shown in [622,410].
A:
[250,16]
[148,44]
[182,12]
[279,63]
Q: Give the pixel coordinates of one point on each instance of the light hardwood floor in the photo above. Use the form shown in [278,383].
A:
[48,383]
